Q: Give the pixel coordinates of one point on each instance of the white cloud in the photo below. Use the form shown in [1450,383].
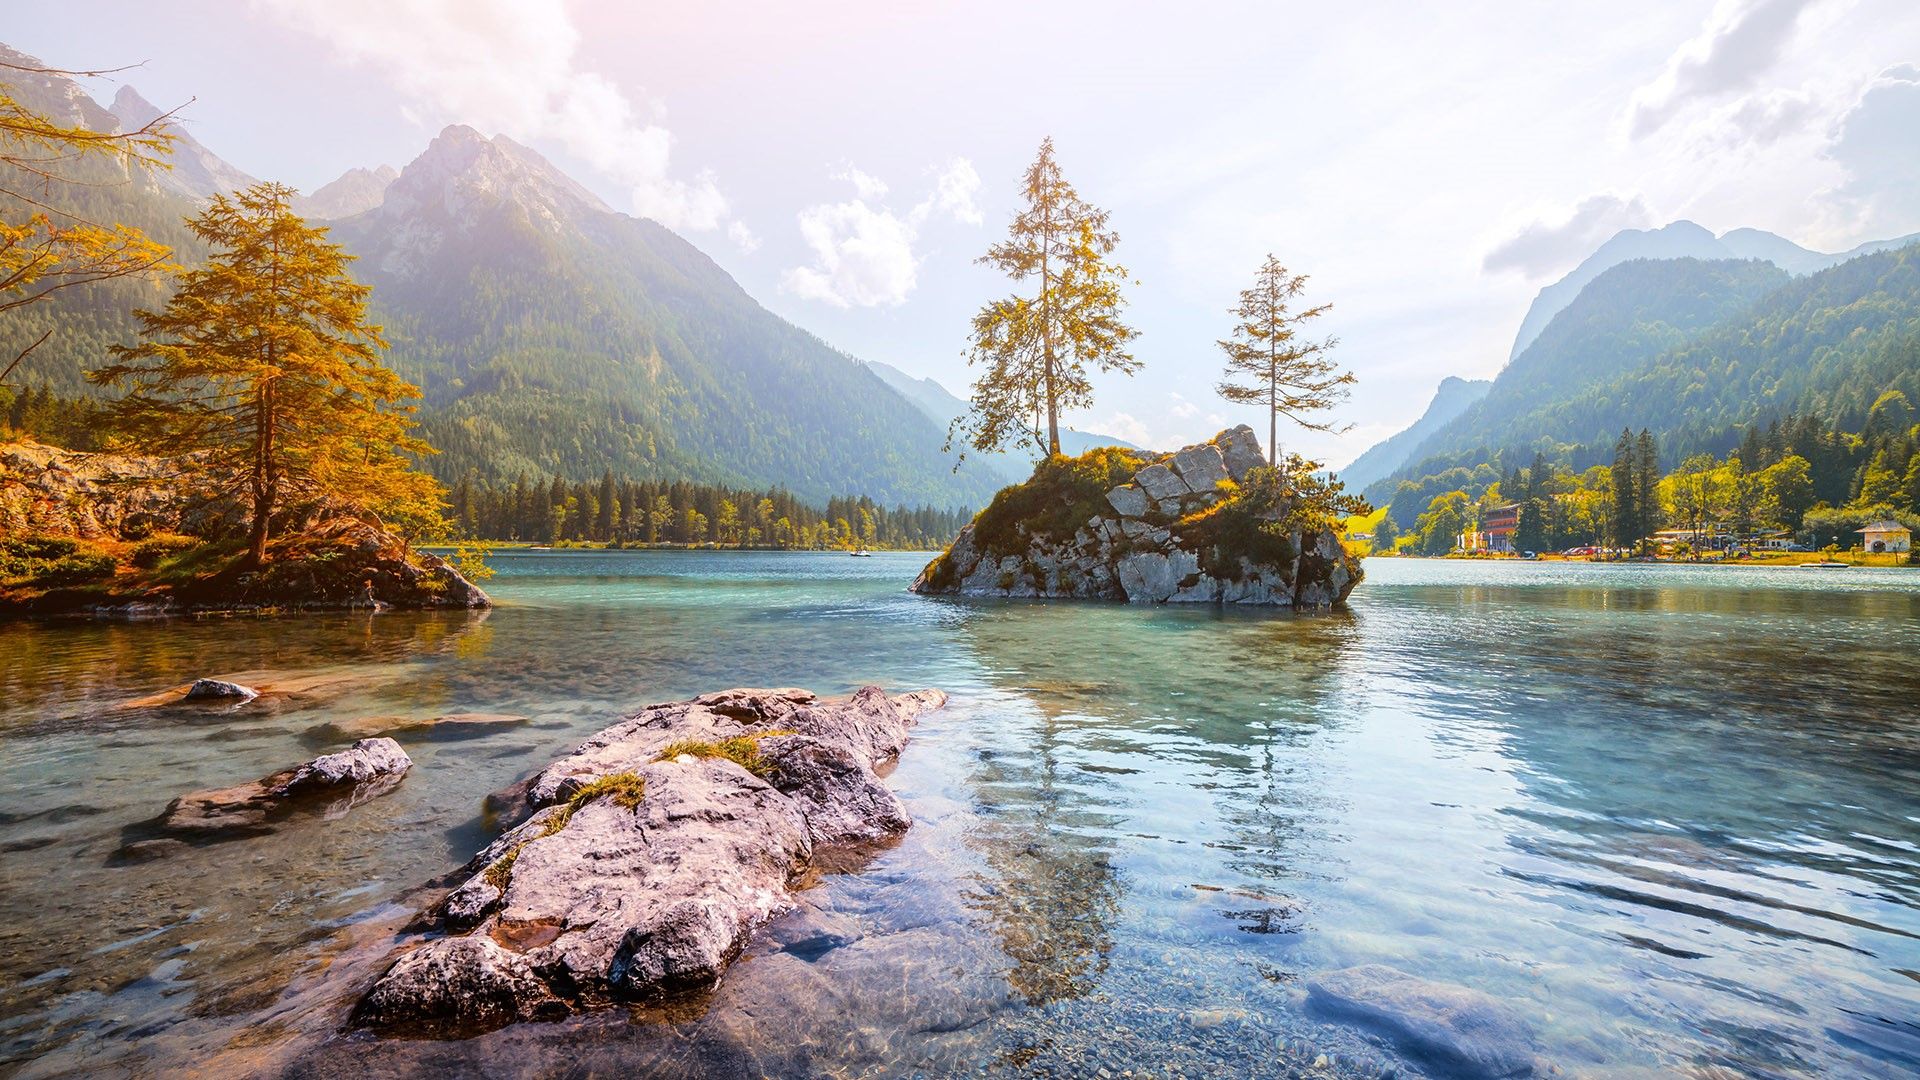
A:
[743,237]
[512,66]
[1125,426]
[1876,145]
[1741,41]
[863,252]
[863,256]
[1765,118]
[1182,408]
[954,188]
[868,187]
[1540,248]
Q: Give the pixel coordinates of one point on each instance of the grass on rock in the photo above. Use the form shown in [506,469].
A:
[742,750]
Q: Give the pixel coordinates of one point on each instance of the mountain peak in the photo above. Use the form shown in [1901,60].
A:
[132,110]
[352,192]
[462,169]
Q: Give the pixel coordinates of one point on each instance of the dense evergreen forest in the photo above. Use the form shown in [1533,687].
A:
[646,512]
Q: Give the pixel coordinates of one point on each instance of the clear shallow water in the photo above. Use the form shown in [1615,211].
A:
[1670,815]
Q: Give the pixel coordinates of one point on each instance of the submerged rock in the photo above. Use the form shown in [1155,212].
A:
[1458,1030]
[1180,528]
[647,857]
[329,785]
[218,690]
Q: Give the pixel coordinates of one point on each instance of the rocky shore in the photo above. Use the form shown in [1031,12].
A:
[1205,524]
[116,536]
[639,865]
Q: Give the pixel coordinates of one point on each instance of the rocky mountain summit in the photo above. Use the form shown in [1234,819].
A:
[649,855]
[1209,523]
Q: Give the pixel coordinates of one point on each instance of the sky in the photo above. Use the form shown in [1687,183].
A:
[1429,169]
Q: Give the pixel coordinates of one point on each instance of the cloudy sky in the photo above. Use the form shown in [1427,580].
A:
[847,161]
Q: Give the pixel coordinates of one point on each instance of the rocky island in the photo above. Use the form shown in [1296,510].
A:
[1210,523]
[119,534]
[640,864]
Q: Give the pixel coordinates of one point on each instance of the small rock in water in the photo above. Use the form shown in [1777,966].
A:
[1460,1030]
[219,690]
[331,783]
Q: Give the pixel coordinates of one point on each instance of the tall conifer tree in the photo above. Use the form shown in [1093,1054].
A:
[264,369]
[1036,348]
[1277,367]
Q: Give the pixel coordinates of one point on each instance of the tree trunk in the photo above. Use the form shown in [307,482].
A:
[266,480]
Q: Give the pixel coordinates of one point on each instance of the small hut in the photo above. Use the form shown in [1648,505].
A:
[1885,536]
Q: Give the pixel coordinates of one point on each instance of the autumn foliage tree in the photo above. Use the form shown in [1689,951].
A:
[44,247]
[264,369]
[1036,347]
[1270,362]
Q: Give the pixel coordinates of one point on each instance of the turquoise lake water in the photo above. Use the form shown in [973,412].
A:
[1671,816]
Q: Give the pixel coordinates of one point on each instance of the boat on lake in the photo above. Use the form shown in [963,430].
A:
[1825,565]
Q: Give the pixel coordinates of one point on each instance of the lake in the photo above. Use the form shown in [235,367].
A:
[1670,815]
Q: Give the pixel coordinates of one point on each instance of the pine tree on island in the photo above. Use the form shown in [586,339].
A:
[264,374]
[1036,347]
[1270,362]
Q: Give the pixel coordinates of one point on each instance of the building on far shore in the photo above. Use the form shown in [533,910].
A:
[1885,536]
[1497,527]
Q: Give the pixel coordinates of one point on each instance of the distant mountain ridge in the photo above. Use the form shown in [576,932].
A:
[1692,350]
[555,336]
[353,192]
[197,173]
[1453,397]
[941,406]
[1680,240]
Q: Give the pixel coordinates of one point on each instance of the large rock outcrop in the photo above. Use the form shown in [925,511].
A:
[1185,527]
[650,854]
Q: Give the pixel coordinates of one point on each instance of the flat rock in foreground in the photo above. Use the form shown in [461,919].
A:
[1459,1030]
[650,854]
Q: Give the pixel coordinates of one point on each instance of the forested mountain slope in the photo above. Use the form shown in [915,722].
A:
[1825,346]
[1626,318]
[553,336]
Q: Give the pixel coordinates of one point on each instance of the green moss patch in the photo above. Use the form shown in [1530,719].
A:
[1063,494]
[742,750]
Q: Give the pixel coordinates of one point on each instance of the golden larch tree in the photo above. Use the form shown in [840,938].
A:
[1036,347]
[264,371]
[45,248]
[1269,363]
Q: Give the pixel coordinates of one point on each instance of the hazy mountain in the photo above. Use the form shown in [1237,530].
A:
[1453,397]
[1625,319]
[1681,240]
[1694,351]
[554,336]
[354,192]
[941,406]
[197,173]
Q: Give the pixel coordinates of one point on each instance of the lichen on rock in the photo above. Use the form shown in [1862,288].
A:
[1208,523]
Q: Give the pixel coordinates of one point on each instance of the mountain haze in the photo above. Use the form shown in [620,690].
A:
[1454,396]
[353,192]
[1680,240]
[554,336]
[197,173]
[941,406]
